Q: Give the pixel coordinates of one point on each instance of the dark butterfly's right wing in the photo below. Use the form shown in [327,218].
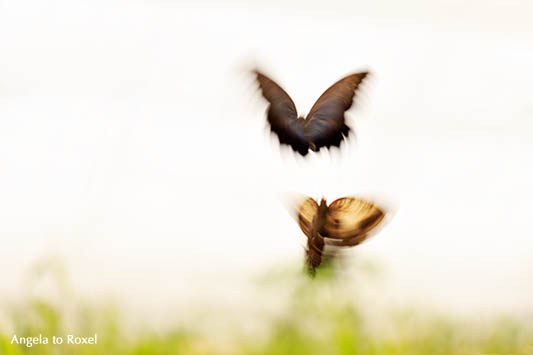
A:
[282,115]
[325,122]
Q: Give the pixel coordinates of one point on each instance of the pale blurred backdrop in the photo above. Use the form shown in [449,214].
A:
[133,145]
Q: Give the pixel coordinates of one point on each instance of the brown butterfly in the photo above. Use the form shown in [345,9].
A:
[345,222]
[325,124]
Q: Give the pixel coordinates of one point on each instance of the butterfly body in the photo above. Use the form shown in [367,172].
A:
[345,222]
[315,242]
[325,124]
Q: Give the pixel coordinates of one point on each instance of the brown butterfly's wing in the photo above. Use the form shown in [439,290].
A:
[306,213]
[282,115]
[325,122]
[349,220]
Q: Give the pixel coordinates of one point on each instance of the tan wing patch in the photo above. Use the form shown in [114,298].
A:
[306,213]
[349,220]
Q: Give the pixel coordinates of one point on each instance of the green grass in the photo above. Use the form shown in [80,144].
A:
[318,318]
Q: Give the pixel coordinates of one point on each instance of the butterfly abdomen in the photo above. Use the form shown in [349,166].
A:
[315,243]
[315,249]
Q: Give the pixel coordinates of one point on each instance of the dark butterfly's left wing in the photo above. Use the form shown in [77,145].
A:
[349,220]
[282,115]
[325,122]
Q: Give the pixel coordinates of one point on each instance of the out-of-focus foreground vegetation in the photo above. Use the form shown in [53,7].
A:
[318,318]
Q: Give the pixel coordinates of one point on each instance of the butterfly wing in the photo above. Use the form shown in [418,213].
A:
[282,115]
[349,220]
[325,122]
[306,213]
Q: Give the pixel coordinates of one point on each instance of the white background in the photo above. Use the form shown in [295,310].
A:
[133,144]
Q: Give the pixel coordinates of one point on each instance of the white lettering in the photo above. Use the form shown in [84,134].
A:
[71,339]
[29,341]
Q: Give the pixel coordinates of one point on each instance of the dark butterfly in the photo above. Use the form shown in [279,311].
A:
[325,124]
[345,222]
